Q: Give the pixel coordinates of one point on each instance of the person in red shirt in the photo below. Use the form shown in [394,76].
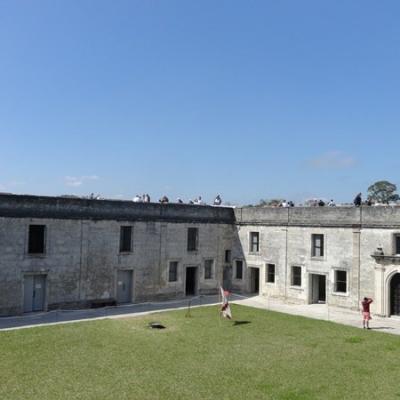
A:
[366,312]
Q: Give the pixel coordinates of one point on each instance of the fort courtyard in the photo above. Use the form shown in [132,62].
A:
[260,355]
[64,254]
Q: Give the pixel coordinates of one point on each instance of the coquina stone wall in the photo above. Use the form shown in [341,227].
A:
[351,237]
[82,258]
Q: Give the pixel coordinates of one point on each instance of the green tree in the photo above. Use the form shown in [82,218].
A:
[383,192]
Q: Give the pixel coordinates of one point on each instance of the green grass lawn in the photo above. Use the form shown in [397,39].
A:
[274,356]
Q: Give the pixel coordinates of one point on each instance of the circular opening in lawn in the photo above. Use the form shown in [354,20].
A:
[156,325]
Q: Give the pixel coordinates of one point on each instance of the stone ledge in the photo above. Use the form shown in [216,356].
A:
[383,259]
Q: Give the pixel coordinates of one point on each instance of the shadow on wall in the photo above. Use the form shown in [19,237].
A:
[235,270]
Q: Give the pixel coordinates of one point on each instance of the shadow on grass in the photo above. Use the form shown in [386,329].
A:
[236,323]
[380,328]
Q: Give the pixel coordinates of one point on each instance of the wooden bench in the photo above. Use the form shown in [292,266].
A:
[102,303]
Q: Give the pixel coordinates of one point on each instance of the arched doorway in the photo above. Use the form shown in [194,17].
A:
[395,295]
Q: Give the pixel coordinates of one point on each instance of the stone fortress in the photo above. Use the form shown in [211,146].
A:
[74,253]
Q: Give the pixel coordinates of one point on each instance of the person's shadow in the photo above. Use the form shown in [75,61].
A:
[380,328]
[236,323]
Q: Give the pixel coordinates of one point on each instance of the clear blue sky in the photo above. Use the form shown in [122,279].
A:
[250,99]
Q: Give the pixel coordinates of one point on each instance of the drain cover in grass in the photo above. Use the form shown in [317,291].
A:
[156,325]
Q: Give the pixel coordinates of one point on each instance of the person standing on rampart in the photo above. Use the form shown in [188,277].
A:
[217,200]
[357,200]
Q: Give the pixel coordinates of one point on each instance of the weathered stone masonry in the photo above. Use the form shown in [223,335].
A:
[82,258]
[303,255]
[351,236]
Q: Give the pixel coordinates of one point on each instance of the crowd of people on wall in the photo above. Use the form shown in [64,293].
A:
[369,202]
[145,198]
[315,202]
[357,202]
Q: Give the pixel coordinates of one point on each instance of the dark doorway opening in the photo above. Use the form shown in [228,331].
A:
[395,295]
[227,278]
[191,281]
[318,288]
[255,280]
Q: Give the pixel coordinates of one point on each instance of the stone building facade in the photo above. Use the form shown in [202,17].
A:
[334,255]
[74,253]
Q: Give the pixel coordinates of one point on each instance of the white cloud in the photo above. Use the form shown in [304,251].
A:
[332,160]
[16,183]
[76,181]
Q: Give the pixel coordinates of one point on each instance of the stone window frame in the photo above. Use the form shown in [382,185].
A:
[251,251]
[267,282]
[235,269]
[292,285]
[324,241]
[196,249]
[334,281]
[45,240]
[177,271]
[228,256]
[212,268]
[394,241]
[121,226]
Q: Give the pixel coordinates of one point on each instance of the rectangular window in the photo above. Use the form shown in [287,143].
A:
[192,239]
[254,242]
[296,276]
[227,256]
[317,249]
[270,273]
[239,269]
[208,269]
[173,271]
[36,241]
[340,281]
[397,244]
[125,239]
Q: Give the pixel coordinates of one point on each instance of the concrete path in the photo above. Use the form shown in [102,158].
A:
[325,312]
[316,311]
[68,316]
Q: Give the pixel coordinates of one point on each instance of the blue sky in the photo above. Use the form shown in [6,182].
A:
[250,99]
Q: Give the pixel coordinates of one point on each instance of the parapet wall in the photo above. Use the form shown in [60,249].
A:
[24,206]
[361,217]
